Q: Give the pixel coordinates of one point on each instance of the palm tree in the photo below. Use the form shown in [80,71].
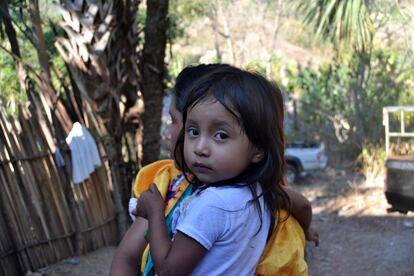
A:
[102,51]
[351,23]
[346,23]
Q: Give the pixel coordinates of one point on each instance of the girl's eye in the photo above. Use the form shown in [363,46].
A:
[192,132]
[221,136]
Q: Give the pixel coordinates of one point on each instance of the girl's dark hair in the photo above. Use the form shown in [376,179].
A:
[188,77]
[258,107]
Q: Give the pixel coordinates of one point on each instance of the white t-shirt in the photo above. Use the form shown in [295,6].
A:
[222,221]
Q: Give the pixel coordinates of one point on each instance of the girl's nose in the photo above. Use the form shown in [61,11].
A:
[201,147]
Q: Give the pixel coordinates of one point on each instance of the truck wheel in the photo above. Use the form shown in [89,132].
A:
[291,174]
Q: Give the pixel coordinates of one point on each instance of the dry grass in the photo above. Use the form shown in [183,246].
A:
[373,167]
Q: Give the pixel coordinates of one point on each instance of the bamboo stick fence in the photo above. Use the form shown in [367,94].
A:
[44,217]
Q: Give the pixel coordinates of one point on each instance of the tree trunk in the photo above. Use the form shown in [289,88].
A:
[46,84]
[226,33]
[215,27]
[153,70]
[11,35]
[39,38]
[273,41]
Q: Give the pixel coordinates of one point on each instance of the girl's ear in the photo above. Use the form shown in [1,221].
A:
[258,155]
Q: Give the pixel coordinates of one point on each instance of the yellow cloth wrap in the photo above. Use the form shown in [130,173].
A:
[283,254]
[161,173]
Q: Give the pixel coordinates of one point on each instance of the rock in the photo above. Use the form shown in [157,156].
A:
[30,273]
[408,224]
[72,261]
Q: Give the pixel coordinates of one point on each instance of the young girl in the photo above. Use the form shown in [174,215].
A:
[131,257]
[234,145]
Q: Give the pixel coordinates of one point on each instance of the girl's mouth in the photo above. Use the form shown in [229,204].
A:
[201,166]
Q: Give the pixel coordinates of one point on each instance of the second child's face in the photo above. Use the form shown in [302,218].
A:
[176,125]
[215,146]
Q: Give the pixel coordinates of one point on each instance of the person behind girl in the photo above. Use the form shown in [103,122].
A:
[288,258]
[233,145]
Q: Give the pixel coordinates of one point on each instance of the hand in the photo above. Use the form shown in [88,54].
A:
[312,236]
[150,203]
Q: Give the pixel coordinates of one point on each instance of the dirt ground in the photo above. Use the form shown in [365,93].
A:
[358,236]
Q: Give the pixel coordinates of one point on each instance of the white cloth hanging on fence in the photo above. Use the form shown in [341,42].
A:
[84,153]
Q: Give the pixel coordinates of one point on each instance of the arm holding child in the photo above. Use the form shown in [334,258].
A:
[127,259]
[301,210]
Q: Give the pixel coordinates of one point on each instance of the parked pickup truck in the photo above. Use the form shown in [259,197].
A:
[399,169]
[304,157]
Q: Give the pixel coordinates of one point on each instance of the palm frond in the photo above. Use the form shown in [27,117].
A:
[339,21]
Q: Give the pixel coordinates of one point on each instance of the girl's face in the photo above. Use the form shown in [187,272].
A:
[176,124]
[215,146]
